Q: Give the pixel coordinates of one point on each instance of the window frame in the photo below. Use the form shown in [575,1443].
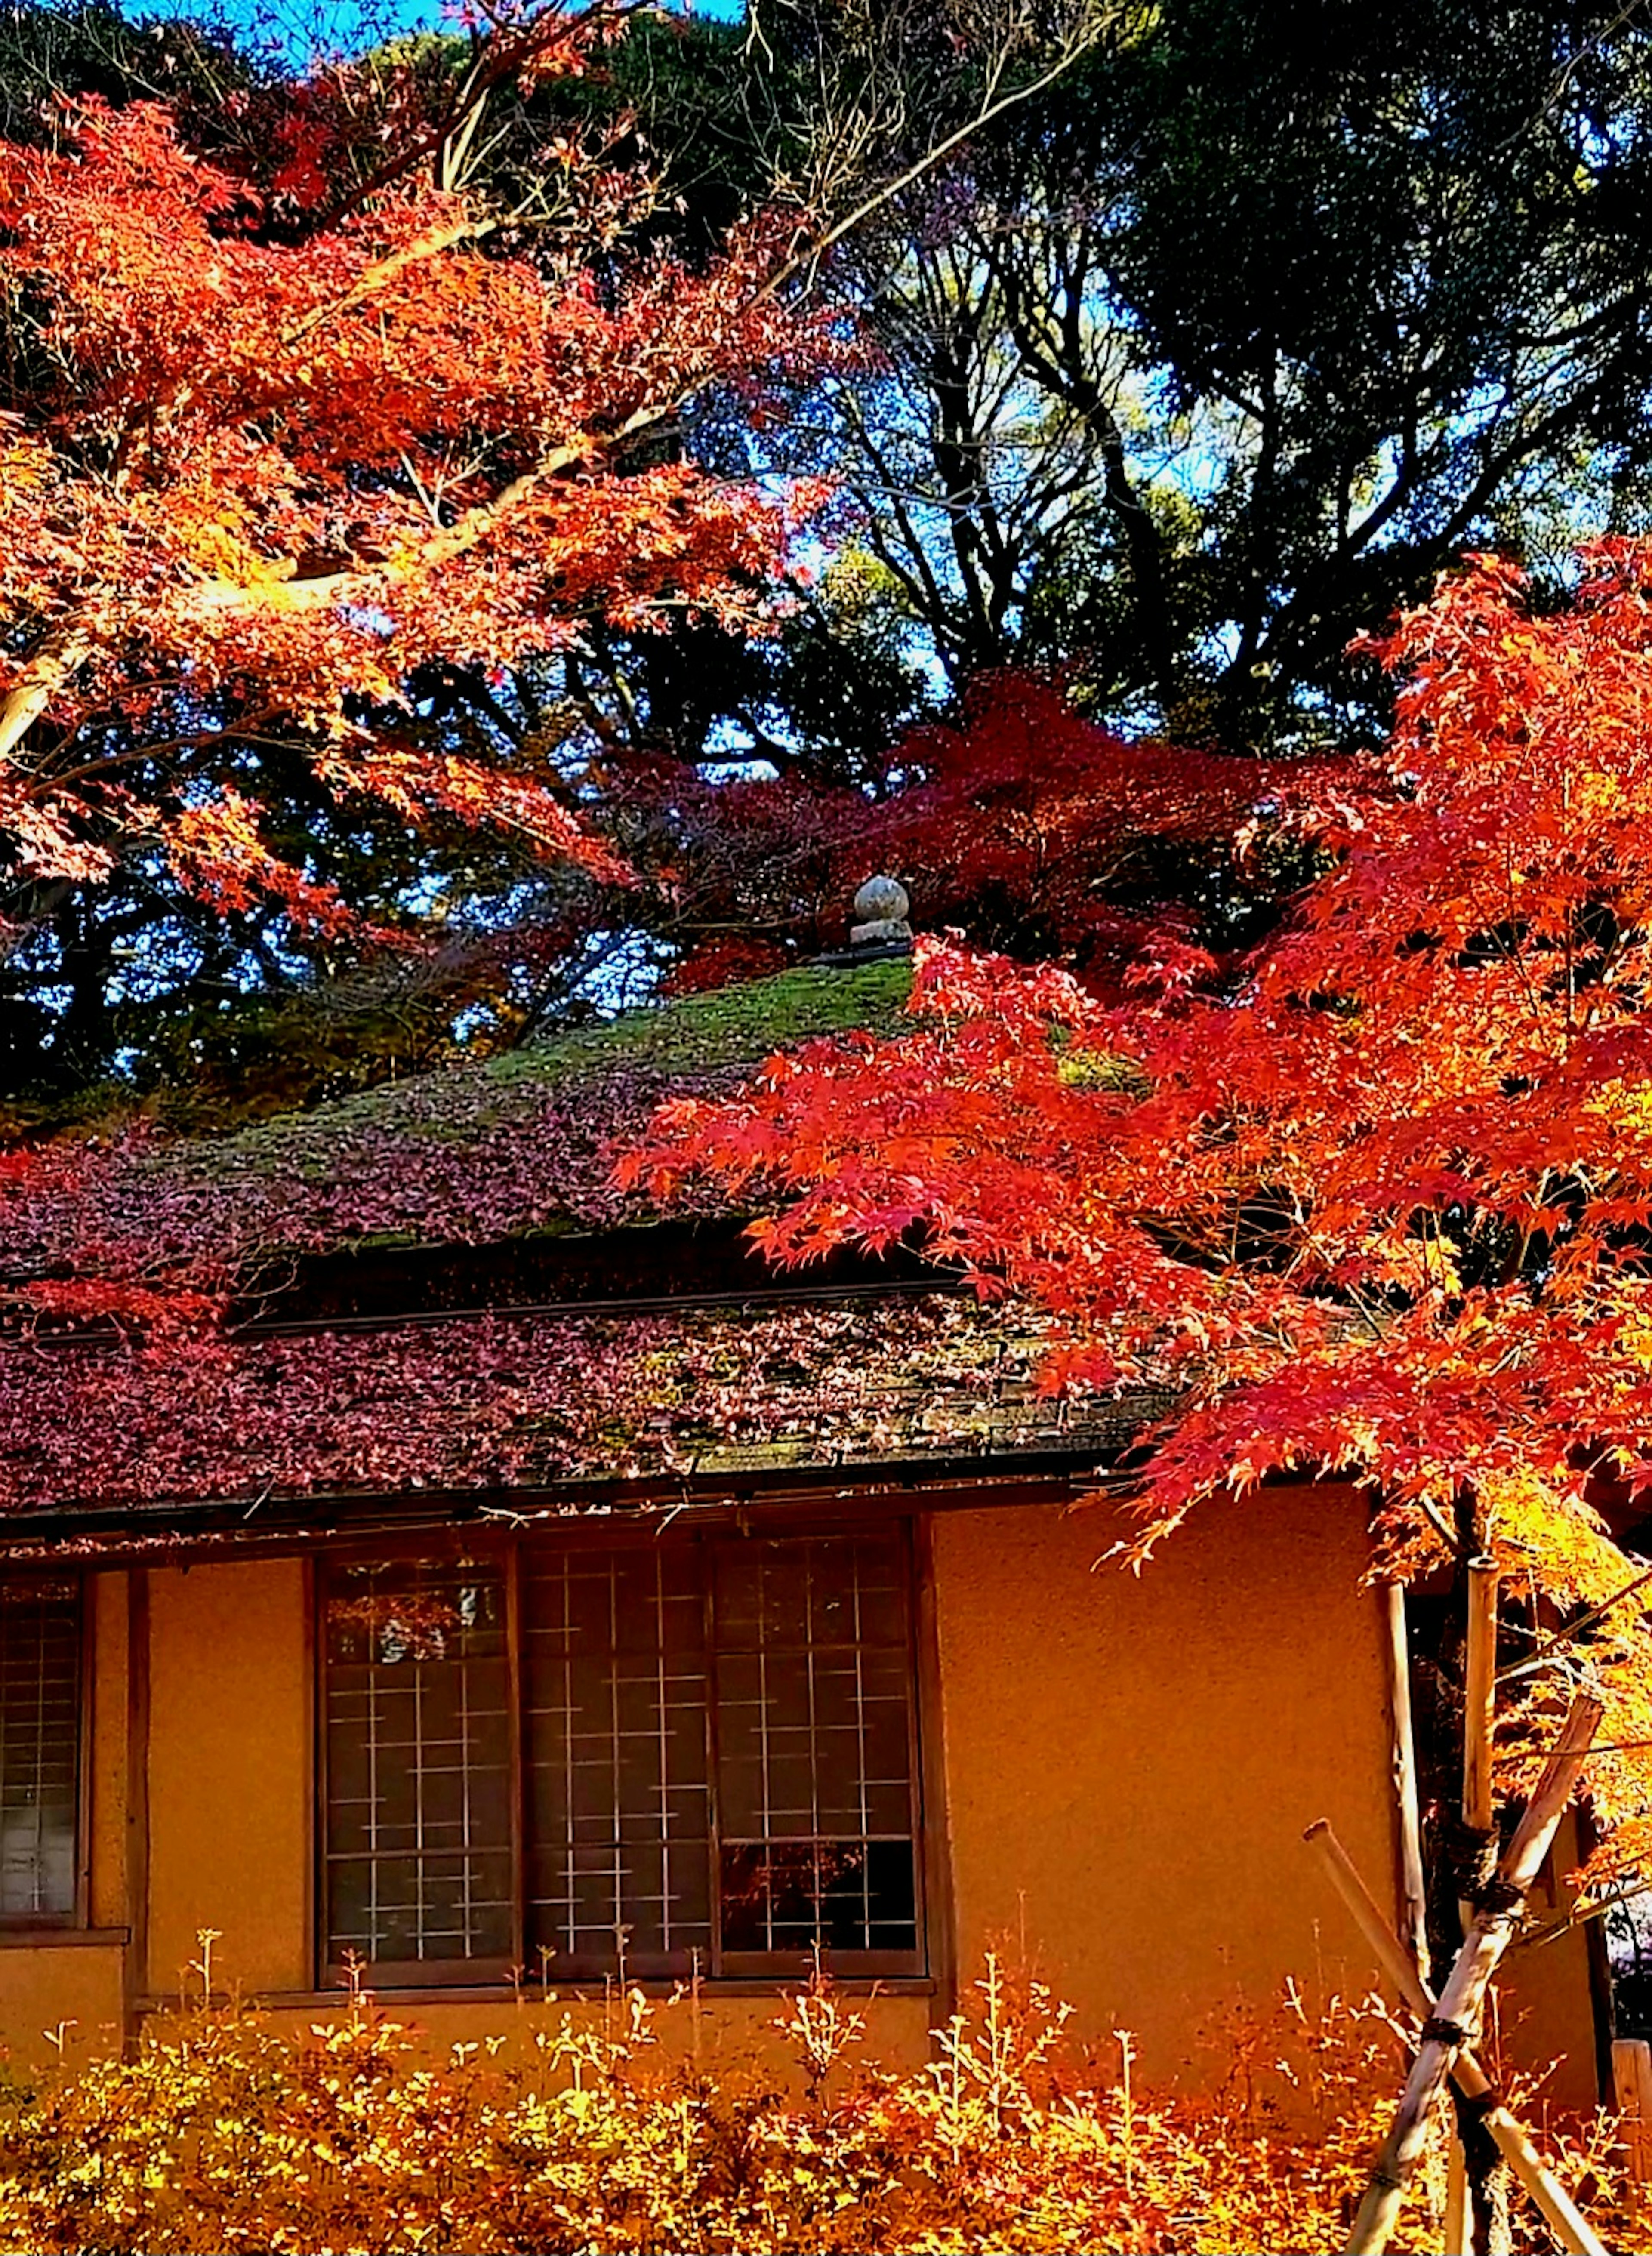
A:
[23,1927]
[511,1555]
[493,1971]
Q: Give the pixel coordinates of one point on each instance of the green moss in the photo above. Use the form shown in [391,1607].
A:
[1091,1069]
[699,1034]
[733,1025]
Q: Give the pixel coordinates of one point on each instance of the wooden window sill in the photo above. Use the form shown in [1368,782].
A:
[571,1993]
[64,1938]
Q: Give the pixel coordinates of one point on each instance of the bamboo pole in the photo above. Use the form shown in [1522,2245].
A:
[1460,2000]
[1479,1707]
[1459,2209]
[1565,2219]
[1405,1779]
[1479,1724]
[1553,2202]
[1479,1695]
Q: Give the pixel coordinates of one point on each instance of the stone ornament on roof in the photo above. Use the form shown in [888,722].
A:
[882,926]
[881,905]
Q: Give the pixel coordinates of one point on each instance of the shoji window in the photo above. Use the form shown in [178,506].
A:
[661,1757]
[39,1749]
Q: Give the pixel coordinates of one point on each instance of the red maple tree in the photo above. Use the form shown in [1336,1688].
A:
[271,446]
[280,428]
[1376,1199]
[1018,818]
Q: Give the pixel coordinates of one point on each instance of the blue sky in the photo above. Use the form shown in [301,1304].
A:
[342,24]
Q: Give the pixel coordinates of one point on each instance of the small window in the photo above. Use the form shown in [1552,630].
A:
[815,1762]
[39,1749]
[657,1757]
[417,1763]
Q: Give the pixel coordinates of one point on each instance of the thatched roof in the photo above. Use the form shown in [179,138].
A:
[453,1298]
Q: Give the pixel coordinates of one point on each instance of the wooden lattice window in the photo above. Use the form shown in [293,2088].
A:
[659,1757]
[418,1772]
[39,1749]
[619,1812]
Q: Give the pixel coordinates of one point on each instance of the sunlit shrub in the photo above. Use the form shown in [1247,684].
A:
[222,2132]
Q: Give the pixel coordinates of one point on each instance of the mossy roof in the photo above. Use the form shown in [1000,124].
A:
[524,1142]
[564,1403]
[556,1397]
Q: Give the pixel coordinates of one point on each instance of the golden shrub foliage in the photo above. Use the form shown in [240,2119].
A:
[221,2132]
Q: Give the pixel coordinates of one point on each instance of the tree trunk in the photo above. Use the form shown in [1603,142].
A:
[1489,2177]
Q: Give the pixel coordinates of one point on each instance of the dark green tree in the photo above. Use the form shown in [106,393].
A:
[1201,365]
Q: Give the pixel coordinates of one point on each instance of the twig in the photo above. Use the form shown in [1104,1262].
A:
[1576,1629]
[815,247]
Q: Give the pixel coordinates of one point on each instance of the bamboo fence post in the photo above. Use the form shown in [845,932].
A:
[1550,2198]
[1479,1704]
[1405,1779]
[1479,1693]
[1443,2034]
[1459,2209]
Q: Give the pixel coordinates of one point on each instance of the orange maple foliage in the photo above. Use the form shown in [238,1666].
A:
[1379,1203]
[278,446]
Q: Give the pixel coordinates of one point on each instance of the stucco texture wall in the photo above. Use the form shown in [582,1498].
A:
[68,1993]
[1544,2017]
[1131,1761]
[1120,1772]
[230,1772]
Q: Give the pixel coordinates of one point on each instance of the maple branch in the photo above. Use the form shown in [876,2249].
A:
[389,269]
[499,59]
[38,683]
[1568,1923]
[246,732]
[1575,1630]
[1438,1522]
[328,588]
[45,674]
[1513,952]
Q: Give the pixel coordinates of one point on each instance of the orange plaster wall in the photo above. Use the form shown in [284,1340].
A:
[76,1989]
[1128,1764]
[736,2034]
[1131,1761]
[230,1772]
[1545,1989]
